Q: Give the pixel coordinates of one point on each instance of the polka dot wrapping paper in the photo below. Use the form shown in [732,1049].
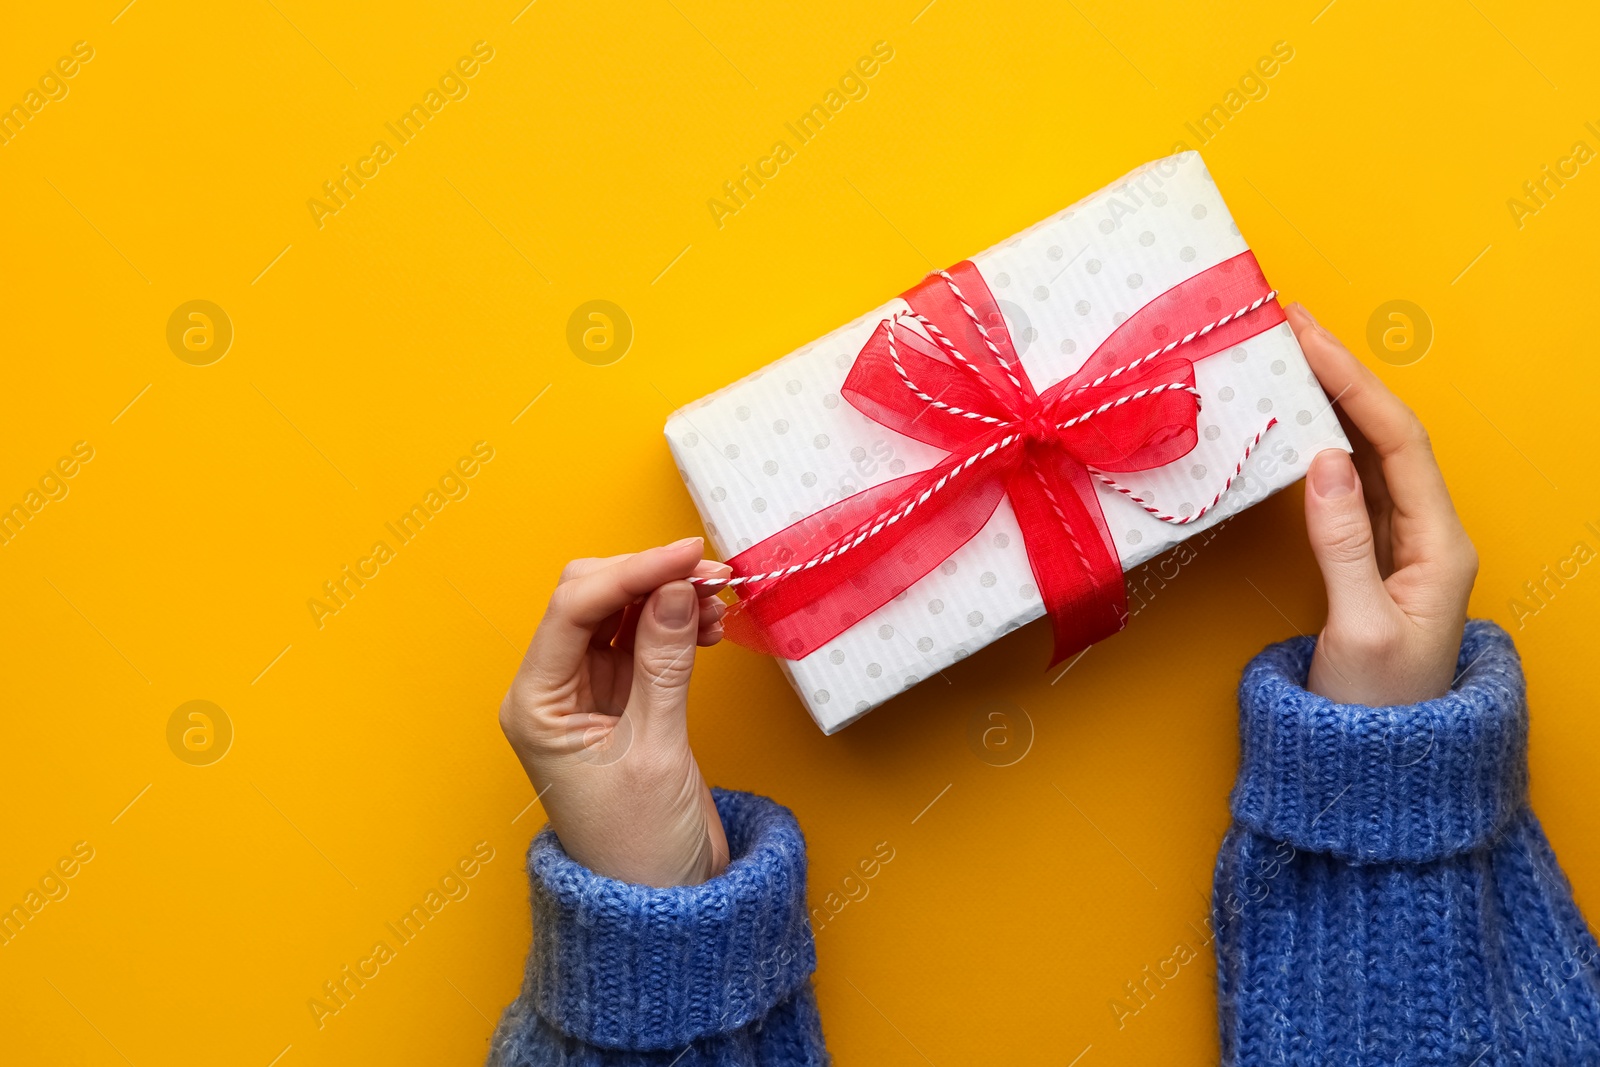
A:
[782,443]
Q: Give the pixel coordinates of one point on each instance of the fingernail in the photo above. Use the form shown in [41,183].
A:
[676,604]
[1311,320]
[710,568]
[686,542]
[1307,313]
[1332,475]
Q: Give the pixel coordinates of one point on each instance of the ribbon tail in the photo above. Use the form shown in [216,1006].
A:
[1069,549]
[796,612]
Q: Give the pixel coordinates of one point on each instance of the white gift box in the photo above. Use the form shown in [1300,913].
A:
[782,443]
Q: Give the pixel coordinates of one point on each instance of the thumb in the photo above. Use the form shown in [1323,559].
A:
[1341,538]
[663,656]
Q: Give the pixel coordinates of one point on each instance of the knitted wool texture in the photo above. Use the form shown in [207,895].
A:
[691,976]
[1385,896]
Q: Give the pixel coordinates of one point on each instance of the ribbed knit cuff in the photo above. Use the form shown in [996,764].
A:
[1387,784]
[626,966]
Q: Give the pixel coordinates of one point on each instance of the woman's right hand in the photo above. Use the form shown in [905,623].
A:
[1397,562]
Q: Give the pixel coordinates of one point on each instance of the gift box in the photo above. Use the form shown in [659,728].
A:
[1002,442]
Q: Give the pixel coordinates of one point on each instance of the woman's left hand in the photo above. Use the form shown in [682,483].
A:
[598,715]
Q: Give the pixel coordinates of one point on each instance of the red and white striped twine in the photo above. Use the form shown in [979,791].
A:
[1184,520]
[884,520]
[1185,339]
[982,332]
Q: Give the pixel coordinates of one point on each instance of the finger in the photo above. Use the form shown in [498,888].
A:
[1340,532]
[583,602]
[1369,467]
[706,568]
[1415,482]
[711,622]
[712,606]
[618,629]
[710,609]
[711,568]
[579,567]
[663,658]
[607,630]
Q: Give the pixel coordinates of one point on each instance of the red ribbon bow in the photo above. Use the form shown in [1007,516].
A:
[958,385]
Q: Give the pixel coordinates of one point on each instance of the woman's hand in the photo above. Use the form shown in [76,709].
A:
[1397,562]
[598,716]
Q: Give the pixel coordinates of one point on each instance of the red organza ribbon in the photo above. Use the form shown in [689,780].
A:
[960,387]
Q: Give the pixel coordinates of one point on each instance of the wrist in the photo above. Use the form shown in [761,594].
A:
[1407,665]
[659,830]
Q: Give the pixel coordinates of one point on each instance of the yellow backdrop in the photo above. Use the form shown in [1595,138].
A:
[189,475]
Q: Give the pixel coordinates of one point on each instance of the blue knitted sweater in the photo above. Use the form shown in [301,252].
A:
[1384,896]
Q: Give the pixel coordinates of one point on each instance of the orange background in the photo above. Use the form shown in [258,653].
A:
[425,315]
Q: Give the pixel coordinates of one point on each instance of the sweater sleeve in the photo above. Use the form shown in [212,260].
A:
[1385,894]
[717,973]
